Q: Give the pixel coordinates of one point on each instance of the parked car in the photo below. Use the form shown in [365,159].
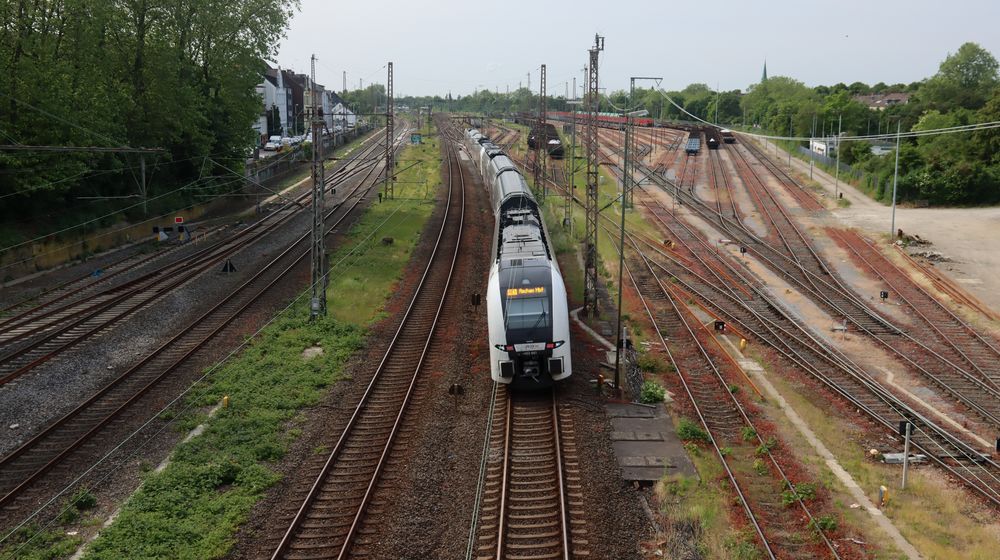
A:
[273,143]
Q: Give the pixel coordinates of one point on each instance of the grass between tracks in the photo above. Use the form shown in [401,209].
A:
[193,507]
[932,513]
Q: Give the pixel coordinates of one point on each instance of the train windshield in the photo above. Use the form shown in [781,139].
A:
[527,316]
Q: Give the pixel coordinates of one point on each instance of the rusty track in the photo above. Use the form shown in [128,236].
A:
[331,513]
[758,314]
[766,320]
[39,334]
[53,447]
[781,534]
[950,336]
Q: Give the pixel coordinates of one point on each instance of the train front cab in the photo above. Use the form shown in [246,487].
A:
[532,349]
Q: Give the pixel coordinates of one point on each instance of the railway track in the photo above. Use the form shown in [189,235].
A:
[53,451]
[948,335]
[334,506]
[531,505]
[945,366]
[39,334]
[779,532]
[797,261]
[762,317]
[716,283]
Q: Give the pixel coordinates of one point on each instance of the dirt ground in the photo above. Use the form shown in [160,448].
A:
[967,236]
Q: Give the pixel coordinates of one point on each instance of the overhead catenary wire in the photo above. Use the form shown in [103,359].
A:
[112,232]
[911,134]
[301,297]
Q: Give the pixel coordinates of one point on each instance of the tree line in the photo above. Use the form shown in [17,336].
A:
[179,75]
[961,168]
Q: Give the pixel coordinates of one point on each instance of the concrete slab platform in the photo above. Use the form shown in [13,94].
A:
[645,444]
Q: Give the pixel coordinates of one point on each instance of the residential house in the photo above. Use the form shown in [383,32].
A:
[881,101]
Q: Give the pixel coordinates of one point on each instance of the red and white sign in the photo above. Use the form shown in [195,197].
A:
[179,219]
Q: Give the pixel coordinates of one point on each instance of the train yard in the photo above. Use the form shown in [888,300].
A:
[729,262]
[712,282]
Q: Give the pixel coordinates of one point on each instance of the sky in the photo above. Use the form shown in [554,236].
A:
[454,46]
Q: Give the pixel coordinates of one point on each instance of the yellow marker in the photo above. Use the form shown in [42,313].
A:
[225,401]
[743,344]
[883,496]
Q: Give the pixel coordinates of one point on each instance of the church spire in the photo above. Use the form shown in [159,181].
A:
[763,77]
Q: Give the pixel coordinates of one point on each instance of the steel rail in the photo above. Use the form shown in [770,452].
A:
[147,289]
[722,388]
[4,324]
[782,340]
[51,432]
[290,534]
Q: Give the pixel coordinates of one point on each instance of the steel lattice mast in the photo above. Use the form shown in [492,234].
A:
[389,134]
[590,139]
[541,139]
[319,278]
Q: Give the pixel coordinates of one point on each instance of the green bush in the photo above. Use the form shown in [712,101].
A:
[650,363]
[749,433]
[804,491]
[759,467]
[652,392]
[83,500]
[688,430]
[767,446]
[824,523]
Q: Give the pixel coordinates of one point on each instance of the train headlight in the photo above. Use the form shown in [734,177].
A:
[554,345]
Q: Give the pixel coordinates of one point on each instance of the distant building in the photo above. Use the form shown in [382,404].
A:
[880,101]
[274,94]
[882,148]
[763,76]
[823,147]
[343,117]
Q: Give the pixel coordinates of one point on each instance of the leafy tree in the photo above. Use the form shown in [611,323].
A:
[964,79]
[173,74]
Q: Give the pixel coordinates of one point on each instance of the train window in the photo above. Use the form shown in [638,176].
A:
[528,313]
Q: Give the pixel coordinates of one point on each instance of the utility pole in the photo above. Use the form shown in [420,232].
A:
[317,305]
[895,177]
[791,135]
[389,134]
[529,81]
[593,174]
[345,81]
[541,139]
[836,184]
[908,428]
[142,185]
[568,208]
